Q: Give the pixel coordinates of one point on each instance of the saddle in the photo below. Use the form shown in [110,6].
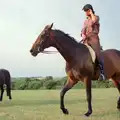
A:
[92,52]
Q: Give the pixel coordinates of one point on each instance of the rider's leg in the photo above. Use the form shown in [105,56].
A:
[96,46]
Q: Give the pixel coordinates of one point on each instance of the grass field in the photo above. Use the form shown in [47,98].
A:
[44,105]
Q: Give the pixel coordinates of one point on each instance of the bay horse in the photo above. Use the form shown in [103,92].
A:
[5,79]
[79,64]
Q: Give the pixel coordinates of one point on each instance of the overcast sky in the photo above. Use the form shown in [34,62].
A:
[21,21]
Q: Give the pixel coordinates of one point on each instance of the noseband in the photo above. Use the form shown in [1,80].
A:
[51,37]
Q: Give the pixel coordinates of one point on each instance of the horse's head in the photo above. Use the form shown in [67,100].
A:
[43,41]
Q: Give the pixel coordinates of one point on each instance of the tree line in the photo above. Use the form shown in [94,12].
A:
[50,83]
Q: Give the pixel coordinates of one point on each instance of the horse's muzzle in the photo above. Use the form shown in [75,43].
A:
[31,50]
[33,53]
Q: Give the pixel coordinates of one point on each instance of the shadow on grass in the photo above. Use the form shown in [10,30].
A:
[36,102]
[102,115]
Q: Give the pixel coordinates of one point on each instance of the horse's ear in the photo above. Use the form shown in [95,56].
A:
[51,25]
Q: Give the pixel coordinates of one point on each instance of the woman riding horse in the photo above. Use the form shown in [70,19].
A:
[90,36]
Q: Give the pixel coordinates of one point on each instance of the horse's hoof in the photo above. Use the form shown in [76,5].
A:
[87,114]
[65,111]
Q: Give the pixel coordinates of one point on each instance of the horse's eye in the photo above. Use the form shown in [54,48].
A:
[42,35]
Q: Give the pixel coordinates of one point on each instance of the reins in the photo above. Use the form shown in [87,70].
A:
[49,52]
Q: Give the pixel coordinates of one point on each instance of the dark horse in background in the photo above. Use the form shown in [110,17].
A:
[79,64]
[5,79]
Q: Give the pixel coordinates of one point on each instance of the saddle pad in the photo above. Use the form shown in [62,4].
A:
[92,52]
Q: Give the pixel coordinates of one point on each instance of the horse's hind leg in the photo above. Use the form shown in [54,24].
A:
[70,83]
[117,84]
[2,91]
[89,96]
[9,91]
[8,85]
[118,104]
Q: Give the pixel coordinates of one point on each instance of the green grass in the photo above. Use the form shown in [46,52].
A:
[44,105]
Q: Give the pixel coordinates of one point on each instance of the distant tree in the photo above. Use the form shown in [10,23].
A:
[48,78]
[27,80]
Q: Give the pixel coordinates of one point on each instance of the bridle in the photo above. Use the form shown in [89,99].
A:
[49,52]
[52,52]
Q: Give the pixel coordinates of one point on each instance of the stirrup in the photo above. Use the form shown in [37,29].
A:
[102,77]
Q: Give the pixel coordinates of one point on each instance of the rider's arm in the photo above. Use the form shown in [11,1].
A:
[83,31]
[95,19]
[95,24]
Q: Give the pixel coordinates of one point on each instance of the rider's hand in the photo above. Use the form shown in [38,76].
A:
[83,37]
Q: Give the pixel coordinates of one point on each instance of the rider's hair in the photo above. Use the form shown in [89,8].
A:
[93,11]
[87,7]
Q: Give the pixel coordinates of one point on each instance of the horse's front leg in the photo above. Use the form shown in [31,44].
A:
[117,84]
[89,96]
[2,91]
[70,83]
[9,92]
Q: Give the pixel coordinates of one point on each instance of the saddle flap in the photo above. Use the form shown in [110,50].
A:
[92,52]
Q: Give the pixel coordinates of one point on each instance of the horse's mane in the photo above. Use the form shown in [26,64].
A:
[67,36]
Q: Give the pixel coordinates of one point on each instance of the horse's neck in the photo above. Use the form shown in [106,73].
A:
[66,49]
